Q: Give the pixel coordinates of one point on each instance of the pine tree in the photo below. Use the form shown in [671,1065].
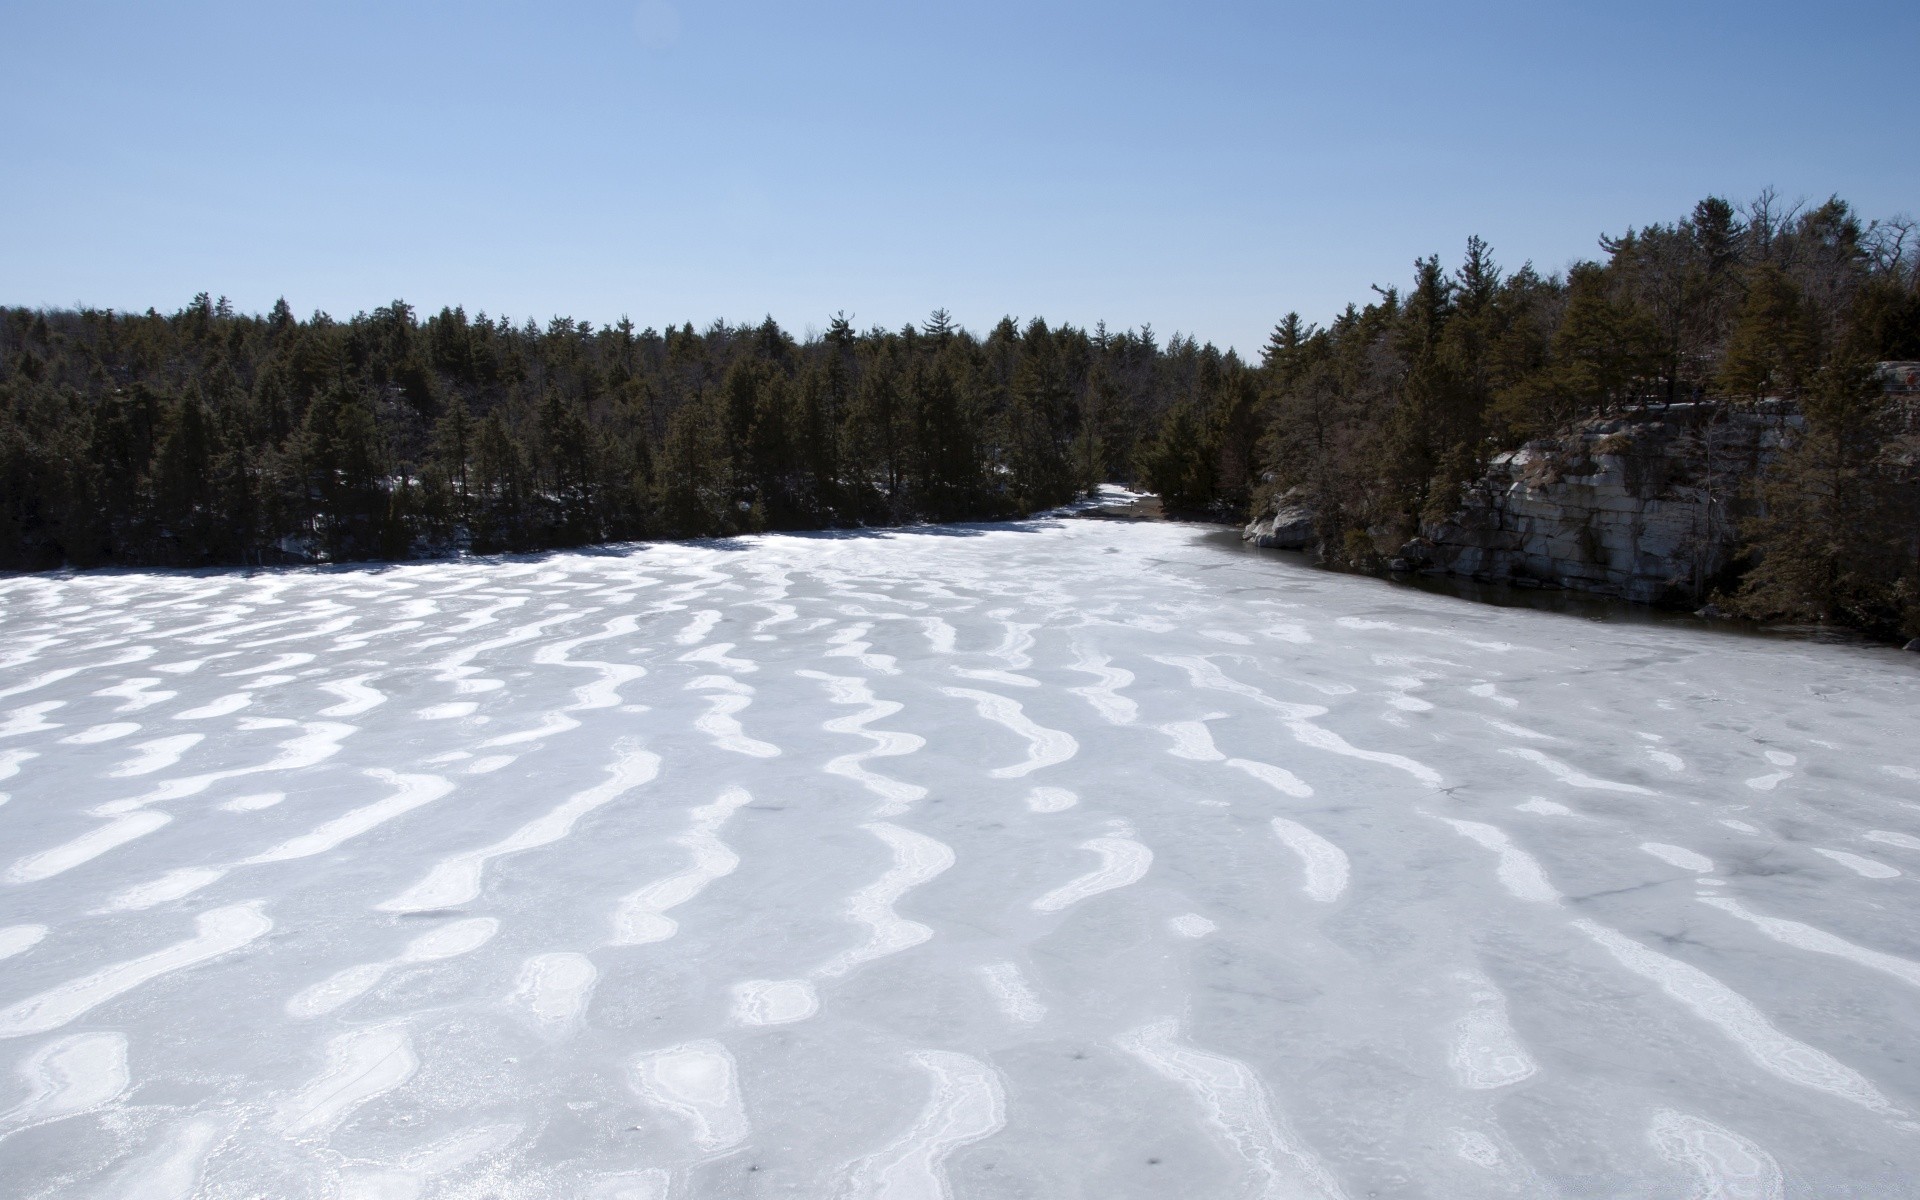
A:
[1774,349]
[1178,464]
[1834,543]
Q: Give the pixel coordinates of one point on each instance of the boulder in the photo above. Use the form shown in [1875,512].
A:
[1288,524]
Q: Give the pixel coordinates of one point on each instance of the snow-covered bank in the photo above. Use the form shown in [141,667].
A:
[1071,858]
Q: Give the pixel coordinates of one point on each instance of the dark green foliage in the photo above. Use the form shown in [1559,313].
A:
[1382,417]
[1842,519]
[206,437]
[1178,466]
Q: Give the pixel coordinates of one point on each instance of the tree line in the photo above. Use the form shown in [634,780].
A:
[1383,416]
[209,437]
[206,437]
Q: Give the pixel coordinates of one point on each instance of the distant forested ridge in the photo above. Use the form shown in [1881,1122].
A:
[209,437]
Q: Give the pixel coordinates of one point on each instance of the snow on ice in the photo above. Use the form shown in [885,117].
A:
[1054,859]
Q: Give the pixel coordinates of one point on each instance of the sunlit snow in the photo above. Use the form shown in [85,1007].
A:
[1061,859]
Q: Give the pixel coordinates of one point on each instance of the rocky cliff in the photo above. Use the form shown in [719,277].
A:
[1645,506]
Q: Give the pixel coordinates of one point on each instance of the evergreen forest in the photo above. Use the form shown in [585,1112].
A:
[208,437]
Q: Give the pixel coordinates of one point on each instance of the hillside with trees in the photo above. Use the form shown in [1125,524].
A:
[1383,416]
[207,437]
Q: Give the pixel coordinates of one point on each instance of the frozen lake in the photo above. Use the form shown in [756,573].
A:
[1069,859]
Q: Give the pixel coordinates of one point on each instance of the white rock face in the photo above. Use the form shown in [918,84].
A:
[1287,524]
[1645,506]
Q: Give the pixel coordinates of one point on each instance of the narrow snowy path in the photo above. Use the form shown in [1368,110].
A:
[1057,859]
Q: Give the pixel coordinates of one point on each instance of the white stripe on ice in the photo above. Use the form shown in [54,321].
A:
[1325,863]
[42,680]
[1123,861]
[355,696]
[696,630]
[1297,718]
[940,635]
[698,1083]
[361,1065]
[172,1172]
[845,689]
[1487,691]
[1278,778]
[1045,747]
[408,1179]
[455,668]
[30,719]
[1806,937]
[319,741]
[641,917]
[1573,778]
[968,1104]
[1051,799]
[34,867]
[554,988]
[551,724]
[216,932]
[157,755]
[18,939]
[219,707]
[718,656]
[1729,1166]
[780,613]
[994,675]
[917,858]
[254,802]
[1679,856]
[774,1001]
[1104,696]
[649,1183]
[456,880]
[1011,992]
[1905,841]
[847,644]
[1191,925]
[138,694]
[341,987]
[730,697]
[1192,740]
[1672,762]
[99,733]
[1518,872]
[68,1076]
[415,790]
[605,691]
[1237,1105]
[1484,1051]
[1859,864]
[174,885]
[1736,1017]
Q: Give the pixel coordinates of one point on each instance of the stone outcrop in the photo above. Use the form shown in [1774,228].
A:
[1287,524]
[1645,506]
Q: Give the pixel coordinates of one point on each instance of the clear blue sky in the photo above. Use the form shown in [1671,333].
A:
[1202,167]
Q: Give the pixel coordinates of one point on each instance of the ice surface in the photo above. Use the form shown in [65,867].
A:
[1055,859]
